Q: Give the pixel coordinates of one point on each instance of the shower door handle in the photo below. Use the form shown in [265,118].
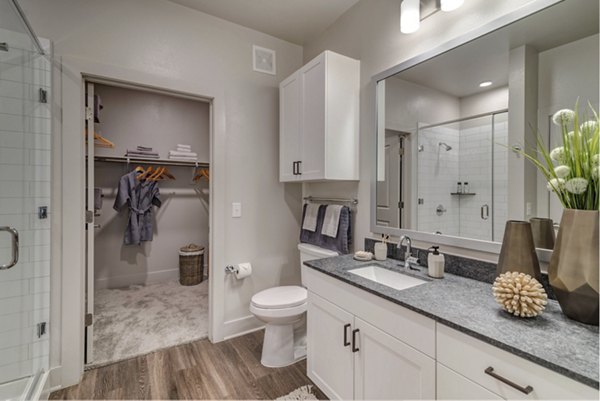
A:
[15,247]
[485,212]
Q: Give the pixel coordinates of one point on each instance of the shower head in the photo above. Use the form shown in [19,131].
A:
[445,145]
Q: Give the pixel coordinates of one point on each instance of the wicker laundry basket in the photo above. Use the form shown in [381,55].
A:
[191,264]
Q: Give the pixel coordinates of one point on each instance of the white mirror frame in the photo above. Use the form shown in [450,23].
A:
[459,242]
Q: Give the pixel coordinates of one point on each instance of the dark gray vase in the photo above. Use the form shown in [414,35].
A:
[543,232]
[518,250]
[573,269]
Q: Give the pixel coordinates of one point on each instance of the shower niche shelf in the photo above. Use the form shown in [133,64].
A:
[463,193]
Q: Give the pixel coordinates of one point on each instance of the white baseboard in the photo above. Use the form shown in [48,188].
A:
[241,326]
[126,280]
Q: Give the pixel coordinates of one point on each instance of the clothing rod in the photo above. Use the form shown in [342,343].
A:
[341,200]
[162,162]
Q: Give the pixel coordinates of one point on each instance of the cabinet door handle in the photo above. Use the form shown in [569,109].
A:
[524,390]
[485,212]
[294,168]
[299,172]
[354,347]
[346,342]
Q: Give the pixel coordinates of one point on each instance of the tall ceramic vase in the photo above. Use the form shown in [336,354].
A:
[573,270]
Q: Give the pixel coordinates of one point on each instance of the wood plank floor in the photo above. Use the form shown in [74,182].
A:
[199,370]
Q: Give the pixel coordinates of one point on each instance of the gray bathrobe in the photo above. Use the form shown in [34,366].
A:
[139,196]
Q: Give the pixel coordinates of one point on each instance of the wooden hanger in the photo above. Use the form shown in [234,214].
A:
[144,173]
[203,173]
[101,141]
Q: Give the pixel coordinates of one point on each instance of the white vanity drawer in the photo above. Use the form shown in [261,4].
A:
[407,326]
[471,357]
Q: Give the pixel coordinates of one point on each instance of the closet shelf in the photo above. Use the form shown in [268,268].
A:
[161,162]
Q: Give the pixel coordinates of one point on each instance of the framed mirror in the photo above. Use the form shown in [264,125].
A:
[450,124]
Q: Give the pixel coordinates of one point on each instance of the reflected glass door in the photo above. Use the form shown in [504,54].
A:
[25,173]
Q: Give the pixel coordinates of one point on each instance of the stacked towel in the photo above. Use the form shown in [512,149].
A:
[144,152]
[341,241]
[183,152]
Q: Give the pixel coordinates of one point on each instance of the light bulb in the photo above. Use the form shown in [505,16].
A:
[450,5]
[485,84]
[410,16]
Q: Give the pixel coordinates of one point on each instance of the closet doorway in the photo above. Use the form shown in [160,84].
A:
[147,196]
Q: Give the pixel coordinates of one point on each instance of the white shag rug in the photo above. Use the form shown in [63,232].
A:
[301,393]
[140,319]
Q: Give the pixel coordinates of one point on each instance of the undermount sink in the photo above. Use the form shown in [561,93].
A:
[387,277]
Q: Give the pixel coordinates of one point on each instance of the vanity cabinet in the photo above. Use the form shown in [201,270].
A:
[502,373]
[319,120]
[349,358]
[362,355]
[361,346]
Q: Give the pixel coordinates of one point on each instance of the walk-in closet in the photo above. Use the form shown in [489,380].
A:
[147,203]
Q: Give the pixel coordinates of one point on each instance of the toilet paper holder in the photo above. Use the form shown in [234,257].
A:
[230,269]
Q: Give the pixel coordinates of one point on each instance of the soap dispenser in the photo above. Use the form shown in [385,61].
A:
[435,263]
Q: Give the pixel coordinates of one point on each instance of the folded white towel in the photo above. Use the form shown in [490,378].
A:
[183,146]
[331,221]
[177,153]
[192,158]
[310,217]
[186,150]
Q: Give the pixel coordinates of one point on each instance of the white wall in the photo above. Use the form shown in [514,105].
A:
[131,118]
[171,42]
[370,32]
[484,102]
[564,76]
[25,179]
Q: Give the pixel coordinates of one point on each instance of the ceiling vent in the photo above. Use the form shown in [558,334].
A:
[264,60]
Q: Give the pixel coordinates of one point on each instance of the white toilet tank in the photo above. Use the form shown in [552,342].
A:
[312,252]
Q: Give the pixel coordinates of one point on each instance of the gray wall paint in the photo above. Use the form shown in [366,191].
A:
[370,32]
[130,118]
[167,41]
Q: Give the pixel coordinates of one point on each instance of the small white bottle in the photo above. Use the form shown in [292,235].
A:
[466,187]
[435,263]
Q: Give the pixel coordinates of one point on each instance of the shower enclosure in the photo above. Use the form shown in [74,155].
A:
[462,177]
[25,209]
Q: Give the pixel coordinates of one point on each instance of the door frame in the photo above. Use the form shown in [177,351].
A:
[70,289]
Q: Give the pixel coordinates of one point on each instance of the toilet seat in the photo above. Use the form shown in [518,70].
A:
[284,297]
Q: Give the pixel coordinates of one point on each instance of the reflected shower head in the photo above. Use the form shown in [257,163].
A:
[445,145]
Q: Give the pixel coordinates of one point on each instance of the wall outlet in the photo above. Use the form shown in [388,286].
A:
[236,210]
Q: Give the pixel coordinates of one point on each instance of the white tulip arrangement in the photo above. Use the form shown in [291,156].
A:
[573,169]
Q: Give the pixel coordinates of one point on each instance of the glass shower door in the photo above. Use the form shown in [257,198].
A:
[25,210]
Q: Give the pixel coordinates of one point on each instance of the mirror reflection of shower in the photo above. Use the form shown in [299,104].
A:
[445,146]
[462,165]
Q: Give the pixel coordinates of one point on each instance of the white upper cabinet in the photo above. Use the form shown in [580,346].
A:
[319,120]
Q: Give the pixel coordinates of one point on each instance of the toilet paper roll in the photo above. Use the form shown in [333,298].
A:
[244,270]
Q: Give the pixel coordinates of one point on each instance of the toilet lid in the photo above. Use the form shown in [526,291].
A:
[280,297]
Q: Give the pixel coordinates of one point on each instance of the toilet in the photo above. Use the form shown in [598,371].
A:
[283,310]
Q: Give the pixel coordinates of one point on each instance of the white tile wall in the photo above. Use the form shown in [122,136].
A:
[437,178]
[474,150]
[25,128]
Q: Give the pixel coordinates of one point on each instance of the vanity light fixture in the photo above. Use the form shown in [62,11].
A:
[485,84]
[410,16]
[450,5]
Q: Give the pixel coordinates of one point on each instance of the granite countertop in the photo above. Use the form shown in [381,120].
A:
[551,339]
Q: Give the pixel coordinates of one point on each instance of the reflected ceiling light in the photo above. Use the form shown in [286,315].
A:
[485,84]
[450,5]
[410,16]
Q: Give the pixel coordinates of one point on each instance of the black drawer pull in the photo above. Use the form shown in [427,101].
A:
[346,342]
[524,390]
[354,347]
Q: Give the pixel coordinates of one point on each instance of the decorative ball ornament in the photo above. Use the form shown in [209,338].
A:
[520,294]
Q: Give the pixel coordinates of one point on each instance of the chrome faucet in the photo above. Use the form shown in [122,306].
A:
[408,258]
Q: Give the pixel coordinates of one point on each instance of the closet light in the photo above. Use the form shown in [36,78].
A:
[410,16]
[450,5]
[485,84]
